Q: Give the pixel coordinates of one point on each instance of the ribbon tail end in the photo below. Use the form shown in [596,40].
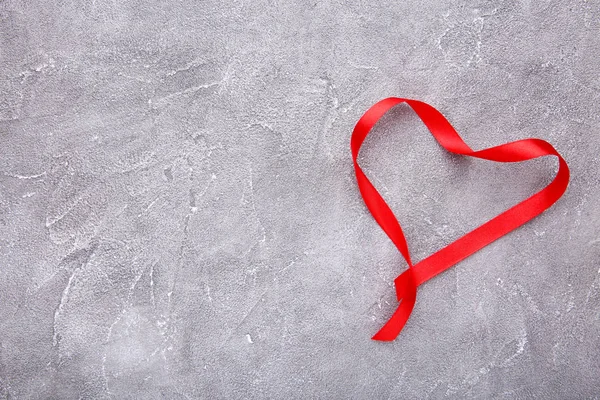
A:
[382,336]
[392,328]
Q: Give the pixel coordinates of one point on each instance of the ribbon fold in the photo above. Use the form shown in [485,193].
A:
[521,150]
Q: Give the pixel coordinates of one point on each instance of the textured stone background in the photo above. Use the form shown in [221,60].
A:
[179,217]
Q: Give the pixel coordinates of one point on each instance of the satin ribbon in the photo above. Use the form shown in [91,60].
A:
[416,274]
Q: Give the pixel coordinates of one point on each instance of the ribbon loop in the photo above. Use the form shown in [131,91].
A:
[521,150]
[405,284]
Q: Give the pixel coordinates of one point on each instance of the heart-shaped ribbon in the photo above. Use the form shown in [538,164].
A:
[520,150]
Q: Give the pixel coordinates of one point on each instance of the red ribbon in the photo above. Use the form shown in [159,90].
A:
[520,150]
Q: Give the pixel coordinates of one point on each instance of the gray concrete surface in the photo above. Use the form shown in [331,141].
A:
[179,217]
